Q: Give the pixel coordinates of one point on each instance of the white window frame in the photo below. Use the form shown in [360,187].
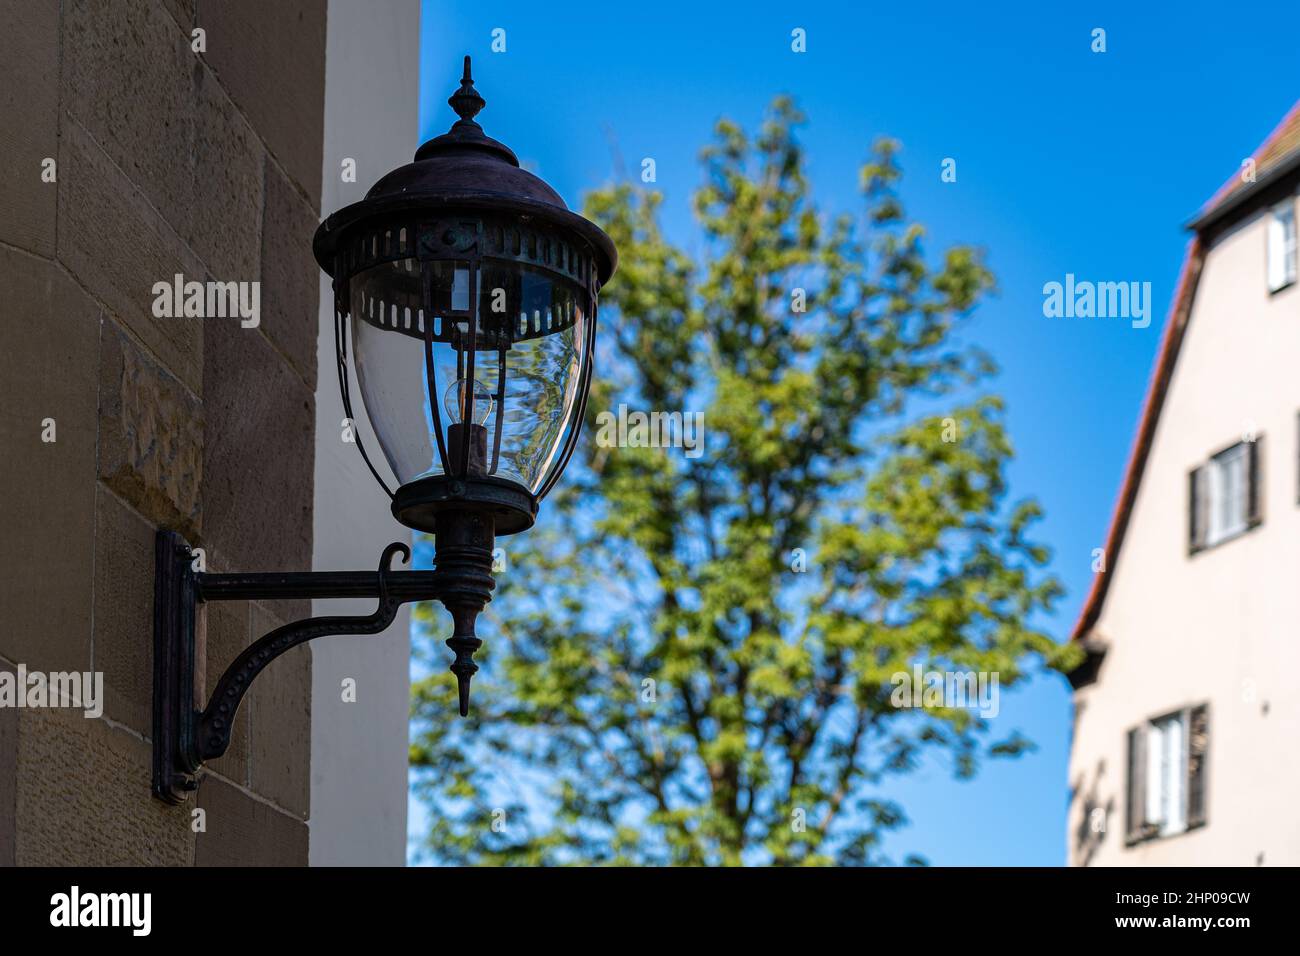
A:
[1228,487]
[1281,252]
[1166,771]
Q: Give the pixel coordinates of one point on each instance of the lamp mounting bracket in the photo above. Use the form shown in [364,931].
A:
[189,732]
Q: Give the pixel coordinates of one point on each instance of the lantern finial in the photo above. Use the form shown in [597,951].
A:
[465,134]
[466,101]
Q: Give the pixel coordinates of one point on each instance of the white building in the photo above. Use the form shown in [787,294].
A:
[1186,747]
[359,746]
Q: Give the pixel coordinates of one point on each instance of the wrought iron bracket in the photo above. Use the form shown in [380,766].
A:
[188,731]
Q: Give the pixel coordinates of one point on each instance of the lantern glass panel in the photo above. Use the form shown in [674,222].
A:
[534,328]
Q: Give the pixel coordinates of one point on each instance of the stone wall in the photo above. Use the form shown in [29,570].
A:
[169,161]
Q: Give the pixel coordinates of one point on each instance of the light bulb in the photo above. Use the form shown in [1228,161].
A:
[453,399]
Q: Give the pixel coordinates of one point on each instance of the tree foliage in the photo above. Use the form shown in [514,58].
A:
[660,684]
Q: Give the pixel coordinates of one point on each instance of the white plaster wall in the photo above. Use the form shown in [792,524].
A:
[359,750]
[1222,626]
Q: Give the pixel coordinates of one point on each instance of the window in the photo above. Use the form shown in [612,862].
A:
[1281,246]
[1227,489]
[1224,495]
[1166,774]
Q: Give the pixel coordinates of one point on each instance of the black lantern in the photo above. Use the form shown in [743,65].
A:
[469,291]
[465,294]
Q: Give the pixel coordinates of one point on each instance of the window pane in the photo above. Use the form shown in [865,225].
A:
[1235,501]
[1173,774]
[1155,776]
[1282,246]
[1229,491]
[1289,246]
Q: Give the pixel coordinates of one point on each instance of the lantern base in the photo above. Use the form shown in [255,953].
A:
[418,504]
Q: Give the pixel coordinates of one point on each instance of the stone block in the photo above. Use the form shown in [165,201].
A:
[8,778]
[223,224]
[128,81]
[84,797]
[249,42]
[290,275]
[151,435]
[244,831]
[124,582]
[49,337]
[29,102]
[182,11]
[258,454]
[117,245]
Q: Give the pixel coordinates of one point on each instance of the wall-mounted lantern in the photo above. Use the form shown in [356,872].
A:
[465,293]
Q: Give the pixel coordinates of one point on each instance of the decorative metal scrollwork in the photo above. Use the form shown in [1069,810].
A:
[217,720]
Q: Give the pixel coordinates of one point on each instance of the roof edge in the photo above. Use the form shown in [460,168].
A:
[1235,200]
[1175,325]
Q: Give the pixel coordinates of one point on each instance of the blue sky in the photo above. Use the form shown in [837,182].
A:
[1068,161]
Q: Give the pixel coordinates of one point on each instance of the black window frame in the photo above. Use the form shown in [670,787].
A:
[1198,514]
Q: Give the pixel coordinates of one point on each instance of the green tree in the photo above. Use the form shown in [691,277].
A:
[655,667]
